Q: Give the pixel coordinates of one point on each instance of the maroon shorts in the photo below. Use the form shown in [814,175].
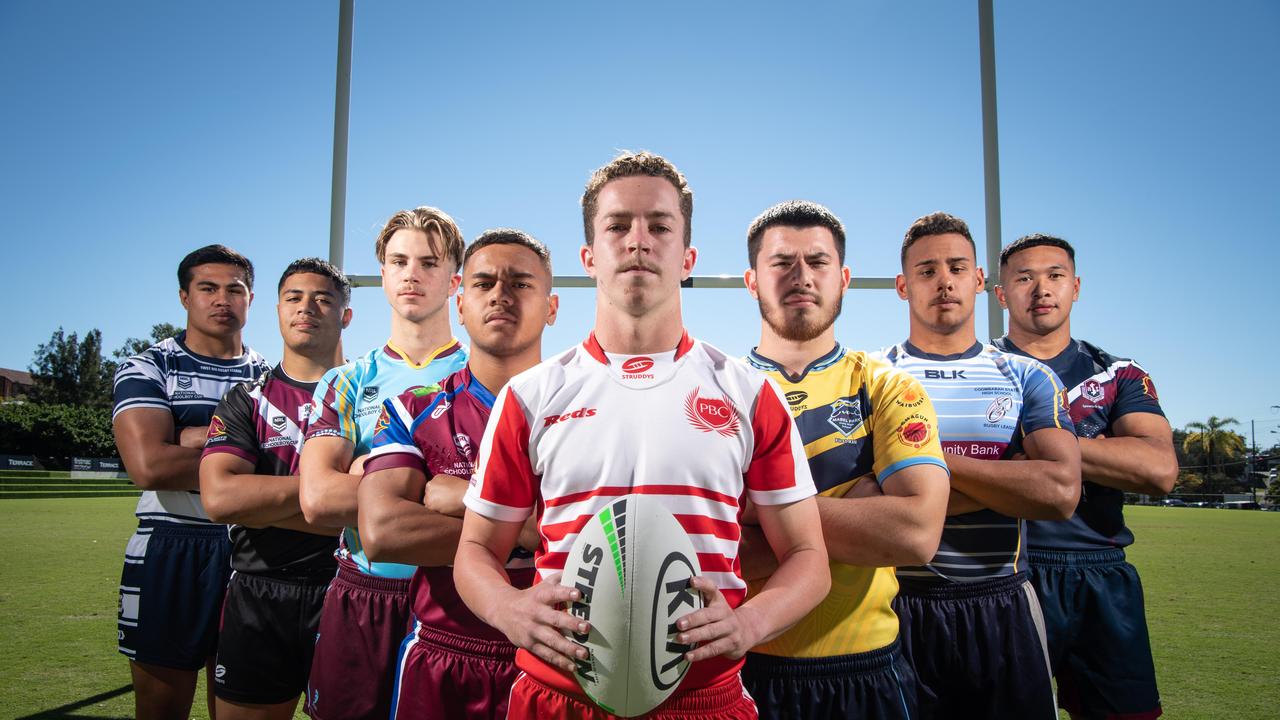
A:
[727,700]
[361,626]
[443,676]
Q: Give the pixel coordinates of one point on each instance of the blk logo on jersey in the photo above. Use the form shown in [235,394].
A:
[846,415]
[712,414]
[580,413]
[998,408]
[1092,389]
[944,375]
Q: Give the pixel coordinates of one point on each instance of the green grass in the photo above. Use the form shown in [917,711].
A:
[1210,575]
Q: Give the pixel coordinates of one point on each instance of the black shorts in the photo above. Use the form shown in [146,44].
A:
[1097,628]
[876,685]
[171,590]
[267,638]
[978,648]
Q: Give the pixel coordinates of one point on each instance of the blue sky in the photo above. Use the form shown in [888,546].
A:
[1143,132]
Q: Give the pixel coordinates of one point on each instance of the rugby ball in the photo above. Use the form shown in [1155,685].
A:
[632,562]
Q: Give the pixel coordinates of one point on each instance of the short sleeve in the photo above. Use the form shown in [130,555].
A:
[393,445]
[1135,392]
[333,407]
[1043,398]
[139,382]
[779,471]
[505,486]
[231,429]
[904,424]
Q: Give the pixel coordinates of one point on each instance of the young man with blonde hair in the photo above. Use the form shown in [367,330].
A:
[366,610]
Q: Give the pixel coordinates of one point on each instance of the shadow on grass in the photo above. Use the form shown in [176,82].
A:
[65,711]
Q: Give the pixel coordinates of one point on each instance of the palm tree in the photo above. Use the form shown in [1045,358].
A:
[1213,441]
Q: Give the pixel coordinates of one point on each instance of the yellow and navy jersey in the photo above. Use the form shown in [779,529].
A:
[856,417]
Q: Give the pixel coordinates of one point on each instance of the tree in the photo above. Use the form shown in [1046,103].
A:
[71,371]
[1214,446]
[133,346]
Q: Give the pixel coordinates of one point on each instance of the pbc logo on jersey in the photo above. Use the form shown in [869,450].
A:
[711,414]
[370,394]
[579,413]
[279,423]
[999,408]
[914,432]
[1092,389]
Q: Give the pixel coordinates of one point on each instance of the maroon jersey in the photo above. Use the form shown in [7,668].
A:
[264,422]
[438,431]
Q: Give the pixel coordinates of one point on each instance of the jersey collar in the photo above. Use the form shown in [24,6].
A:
[761,362]
[916,352]
[445,350]
[593,348]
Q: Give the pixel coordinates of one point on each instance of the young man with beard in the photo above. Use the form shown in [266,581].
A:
[881,499]
[1091,596]
[366,609]
[971,625]
[280,564]
[176,564]
[636,213]
[452,664]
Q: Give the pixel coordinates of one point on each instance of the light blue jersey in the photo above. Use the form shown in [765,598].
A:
[347,403]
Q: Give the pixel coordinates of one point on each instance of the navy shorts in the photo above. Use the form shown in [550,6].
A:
[171,591]
[267,638]
[442,676]
[1097,628]
[978,648]
[876,685]
[363,622]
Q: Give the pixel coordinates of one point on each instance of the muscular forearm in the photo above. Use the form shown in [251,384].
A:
[958,504]
[1131,464]
[802,579]
[329,497]
[164,466]
[299,523]
[399,530]
[878,531]
[482,582]
[1031,489]
[252,500]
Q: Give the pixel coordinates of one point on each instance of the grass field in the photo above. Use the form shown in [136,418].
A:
[1212,581]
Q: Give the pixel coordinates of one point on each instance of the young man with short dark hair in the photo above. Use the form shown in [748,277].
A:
[1091,596]
[176,564]
[281,564]
[970,621]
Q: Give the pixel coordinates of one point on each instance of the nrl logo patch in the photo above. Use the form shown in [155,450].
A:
[846,415]
[184,382]
[370,393]
[278,423]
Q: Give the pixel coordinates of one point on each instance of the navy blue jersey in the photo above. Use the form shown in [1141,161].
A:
[263,422]
[168,376]
[1101,389]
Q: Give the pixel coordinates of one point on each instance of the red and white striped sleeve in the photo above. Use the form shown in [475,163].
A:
[779,471]
[504,486]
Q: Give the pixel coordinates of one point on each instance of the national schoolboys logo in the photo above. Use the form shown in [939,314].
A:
[711,414]
[370,394]
[998,408]
[184,382]
[915,431]
[217,429]
[846,415]
[1092,389]
[279,423]
[466,449]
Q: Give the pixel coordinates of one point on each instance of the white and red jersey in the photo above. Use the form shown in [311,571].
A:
[693,425]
